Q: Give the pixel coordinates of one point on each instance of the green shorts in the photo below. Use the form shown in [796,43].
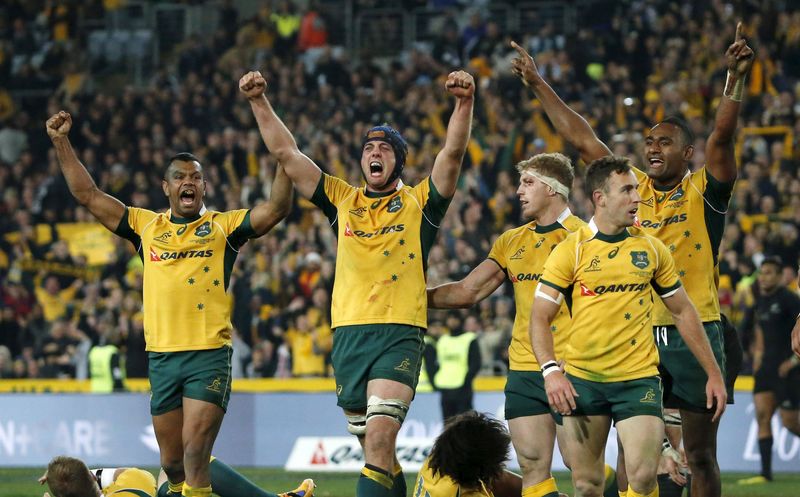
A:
[194,374]
[618,399]
[526,395]
[376,351]
[684,378]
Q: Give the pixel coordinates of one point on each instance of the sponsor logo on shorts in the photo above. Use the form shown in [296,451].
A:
[215,386]
[649,397]
[404,366]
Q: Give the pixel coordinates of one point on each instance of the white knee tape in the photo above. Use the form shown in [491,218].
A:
[357,425]
[395,409]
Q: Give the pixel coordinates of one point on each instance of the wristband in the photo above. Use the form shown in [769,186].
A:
[549,367]
[734,88]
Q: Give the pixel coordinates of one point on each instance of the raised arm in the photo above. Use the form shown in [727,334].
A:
[720,155]
[264,216]
[107,209]
[560,392]
[568,123]
[447,165]
[476,286]
[278,139]
[691,330]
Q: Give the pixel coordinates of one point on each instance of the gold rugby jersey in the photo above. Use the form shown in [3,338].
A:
[383,241]
[132,482]
[608,281]
[430,484]
[521,253]
[187,268]
[689,219]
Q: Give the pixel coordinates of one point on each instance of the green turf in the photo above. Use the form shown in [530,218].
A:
[21,482]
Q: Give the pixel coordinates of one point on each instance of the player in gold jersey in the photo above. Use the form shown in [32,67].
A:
[188,253]
[384,232]
[68,476]
[607,273]
[685,210]
[519,255]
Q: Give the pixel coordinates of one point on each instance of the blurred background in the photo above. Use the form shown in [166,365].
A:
[144,80]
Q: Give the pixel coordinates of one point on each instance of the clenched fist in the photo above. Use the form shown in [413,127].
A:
[460,84]
[253,85]
[58,125]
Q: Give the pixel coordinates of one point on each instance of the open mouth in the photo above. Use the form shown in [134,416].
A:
[187,197]
[656,163]
[375,169]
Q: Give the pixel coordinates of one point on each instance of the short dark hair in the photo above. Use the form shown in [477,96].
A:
[773,260]
[181,156]
[472,449]
[600,170]
[69,477]
[686,132]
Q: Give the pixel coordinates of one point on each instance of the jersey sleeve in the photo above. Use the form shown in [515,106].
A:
[133,223]
[716,193]
[329,192]
[559,268]
[236,225]
[498,252]
[435,205]
[665,278]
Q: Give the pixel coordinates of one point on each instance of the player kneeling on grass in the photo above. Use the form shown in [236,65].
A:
[70,477]
[468,460]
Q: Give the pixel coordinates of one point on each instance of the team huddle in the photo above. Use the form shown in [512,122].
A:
[619,320]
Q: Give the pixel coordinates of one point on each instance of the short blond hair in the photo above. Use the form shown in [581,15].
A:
[553,165]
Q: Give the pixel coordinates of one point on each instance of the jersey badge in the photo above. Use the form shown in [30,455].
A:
[639,259]
[204,229]
[518,254]
[163,237]
[395,204]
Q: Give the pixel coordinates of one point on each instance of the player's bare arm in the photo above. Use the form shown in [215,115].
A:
[303,172]
[567,122]
[447,165]
[476,286]
[796,338]
[560,392]
[720,156]
[107,209]
[264,216]
[691,330]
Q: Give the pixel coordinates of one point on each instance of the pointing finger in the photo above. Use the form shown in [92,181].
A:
[738,31]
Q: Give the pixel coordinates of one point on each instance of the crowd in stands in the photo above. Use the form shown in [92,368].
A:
[626,66]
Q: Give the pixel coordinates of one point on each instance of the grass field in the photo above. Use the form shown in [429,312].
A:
[21,482]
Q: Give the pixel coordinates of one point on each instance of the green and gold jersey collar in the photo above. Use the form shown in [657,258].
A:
[186,220]
[607,238]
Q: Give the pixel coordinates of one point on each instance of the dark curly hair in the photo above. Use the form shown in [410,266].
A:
[473,448]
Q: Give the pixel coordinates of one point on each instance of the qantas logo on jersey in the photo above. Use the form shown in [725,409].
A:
[186,254]
[601,289]
[369,234]
[515,278]
[646,223]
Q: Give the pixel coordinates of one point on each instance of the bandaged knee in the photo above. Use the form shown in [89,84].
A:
[357,425]
[395,409]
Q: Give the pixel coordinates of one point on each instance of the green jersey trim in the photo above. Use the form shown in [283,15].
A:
[125,231]
[432,214]
[716,196]
[662,291]
[612,238]
[321,200]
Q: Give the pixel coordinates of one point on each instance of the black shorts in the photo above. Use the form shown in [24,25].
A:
[786,390]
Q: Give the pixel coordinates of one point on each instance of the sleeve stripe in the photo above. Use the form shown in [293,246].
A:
[563,291]
[666,292]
